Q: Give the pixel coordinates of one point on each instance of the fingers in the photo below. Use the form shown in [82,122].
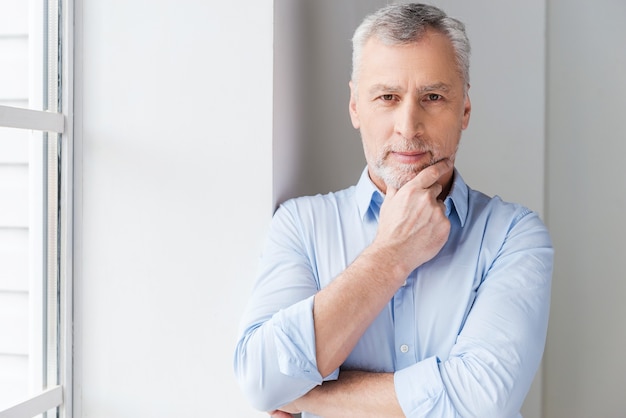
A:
[279,414]
[426,178]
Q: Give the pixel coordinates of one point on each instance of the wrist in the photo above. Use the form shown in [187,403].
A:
[387,262]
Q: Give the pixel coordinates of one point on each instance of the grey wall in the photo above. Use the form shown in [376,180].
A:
[585,366]
[316,149]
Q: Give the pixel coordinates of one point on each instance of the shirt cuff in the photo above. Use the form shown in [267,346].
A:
[294,334]
[418,386]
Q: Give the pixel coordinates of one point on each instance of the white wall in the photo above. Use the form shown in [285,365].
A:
[173,195]
[585,373]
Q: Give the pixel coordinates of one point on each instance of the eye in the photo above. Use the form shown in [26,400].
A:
[387,97]
[433,97]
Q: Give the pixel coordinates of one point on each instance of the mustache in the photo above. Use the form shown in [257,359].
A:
[415,145]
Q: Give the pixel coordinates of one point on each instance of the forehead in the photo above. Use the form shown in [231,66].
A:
[429,60]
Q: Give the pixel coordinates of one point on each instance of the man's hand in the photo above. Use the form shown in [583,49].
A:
[285,411]
[413,226]
[280,414]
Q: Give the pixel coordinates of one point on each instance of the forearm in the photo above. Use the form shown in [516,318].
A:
[343,310]
[354,394]
[412,229]
[341,313]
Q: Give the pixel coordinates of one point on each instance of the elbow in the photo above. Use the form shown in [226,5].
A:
[258,395]
[482,401]
[262,383]
[258,399]
[252,382]
[266,393]
[495,408]
[271,376]
[496,391]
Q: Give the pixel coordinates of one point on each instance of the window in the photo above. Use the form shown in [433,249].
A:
[36,201]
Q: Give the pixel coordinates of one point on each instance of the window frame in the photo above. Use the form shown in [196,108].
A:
[57,128]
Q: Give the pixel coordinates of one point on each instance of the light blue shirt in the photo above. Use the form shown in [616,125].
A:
[464,335]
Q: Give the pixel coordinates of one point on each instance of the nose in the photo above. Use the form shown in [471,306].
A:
[409,119]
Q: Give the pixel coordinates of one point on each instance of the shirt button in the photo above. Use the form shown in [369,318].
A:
[404,348]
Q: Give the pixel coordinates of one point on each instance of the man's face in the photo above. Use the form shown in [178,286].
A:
[410,105]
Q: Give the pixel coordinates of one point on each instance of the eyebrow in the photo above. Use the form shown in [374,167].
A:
[434,87]
[395,89]
[384,87]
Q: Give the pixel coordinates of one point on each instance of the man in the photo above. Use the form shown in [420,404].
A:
[409,294]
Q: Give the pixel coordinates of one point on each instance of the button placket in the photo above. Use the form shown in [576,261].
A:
[404,323]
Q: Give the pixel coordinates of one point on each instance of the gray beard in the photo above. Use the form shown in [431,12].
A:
[397,177]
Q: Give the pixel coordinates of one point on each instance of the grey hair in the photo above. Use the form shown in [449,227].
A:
[401,24]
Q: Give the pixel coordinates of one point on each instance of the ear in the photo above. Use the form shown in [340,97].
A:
[354,115]
[467,109]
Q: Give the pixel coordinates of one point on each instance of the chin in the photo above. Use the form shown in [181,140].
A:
[397,180]
[398,177]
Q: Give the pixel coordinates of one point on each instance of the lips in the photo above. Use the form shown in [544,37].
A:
[408,157]
[409,153]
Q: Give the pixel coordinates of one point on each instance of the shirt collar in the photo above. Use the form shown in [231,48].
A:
[369,198]
[458,198]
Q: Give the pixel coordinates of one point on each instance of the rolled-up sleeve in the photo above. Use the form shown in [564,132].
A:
[275,360]
[498,350]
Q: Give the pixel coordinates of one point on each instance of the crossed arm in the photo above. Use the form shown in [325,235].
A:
[488,370]
[355,394]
